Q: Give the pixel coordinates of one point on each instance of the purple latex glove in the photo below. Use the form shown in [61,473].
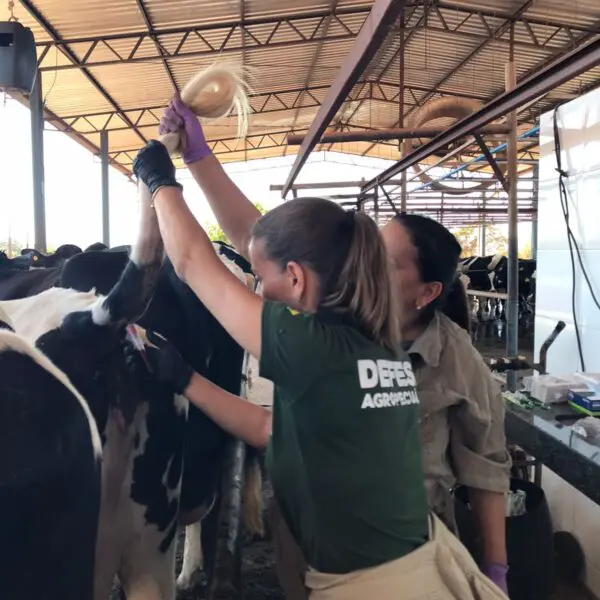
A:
[178,116]
[497,573]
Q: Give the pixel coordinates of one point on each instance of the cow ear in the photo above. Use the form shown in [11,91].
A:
[99,270]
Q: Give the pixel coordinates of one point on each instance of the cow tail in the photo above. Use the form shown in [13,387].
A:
[252,512]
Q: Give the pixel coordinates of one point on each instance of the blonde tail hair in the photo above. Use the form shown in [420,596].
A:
[213,94]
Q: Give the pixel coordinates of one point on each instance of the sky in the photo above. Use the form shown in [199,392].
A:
[73,189]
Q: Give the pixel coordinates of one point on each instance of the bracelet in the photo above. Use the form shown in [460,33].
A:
[160,187]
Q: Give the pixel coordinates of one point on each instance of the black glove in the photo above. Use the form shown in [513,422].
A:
[154,167]
[167,364]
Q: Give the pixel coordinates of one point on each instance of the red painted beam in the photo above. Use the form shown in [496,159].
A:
[382,17]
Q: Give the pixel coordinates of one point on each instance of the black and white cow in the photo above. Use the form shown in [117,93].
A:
[83,337]
[39,260]
[149,436]
[50,454]
[485,273]
[490,274]
[96,247]
[16,280]
[176,313]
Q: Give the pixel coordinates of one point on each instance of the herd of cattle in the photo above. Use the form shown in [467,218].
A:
[490,274]
[100,463]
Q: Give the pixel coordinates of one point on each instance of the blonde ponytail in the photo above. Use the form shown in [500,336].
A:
[364,288]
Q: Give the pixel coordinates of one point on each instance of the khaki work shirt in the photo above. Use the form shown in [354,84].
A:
[462,416]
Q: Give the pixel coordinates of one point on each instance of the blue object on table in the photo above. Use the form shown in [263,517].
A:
[584,401]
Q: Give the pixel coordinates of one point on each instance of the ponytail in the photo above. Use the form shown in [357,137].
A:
[456,306]
[363,288]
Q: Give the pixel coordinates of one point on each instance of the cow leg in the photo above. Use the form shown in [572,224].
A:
[148,565]
[114,515]
[193,559]
[193,556]
[147,573]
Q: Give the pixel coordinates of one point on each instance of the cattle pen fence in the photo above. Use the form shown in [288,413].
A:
[226,579]
[492,295]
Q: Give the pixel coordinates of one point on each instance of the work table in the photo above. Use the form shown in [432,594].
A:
[555,445]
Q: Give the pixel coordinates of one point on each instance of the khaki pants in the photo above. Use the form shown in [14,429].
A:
[442,569]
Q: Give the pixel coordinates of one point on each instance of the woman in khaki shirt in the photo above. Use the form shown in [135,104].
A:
[462,411]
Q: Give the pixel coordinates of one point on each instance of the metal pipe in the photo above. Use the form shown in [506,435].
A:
[226,581]
[393,133]
[466,210]
[512,288]
[105,187]
[402,147]
[534,223]
[276,187]
[483,228]
[527,134]
[368,41]
[36,105]
[555,74]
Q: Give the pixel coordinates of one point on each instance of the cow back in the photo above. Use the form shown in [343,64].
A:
[177,314]
[49,481]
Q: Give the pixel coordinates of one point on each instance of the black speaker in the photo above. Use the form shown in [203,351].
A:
[18,57]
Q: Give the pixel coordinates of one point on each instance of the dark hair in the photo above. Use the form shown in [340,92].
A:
[346,252]
[438,252]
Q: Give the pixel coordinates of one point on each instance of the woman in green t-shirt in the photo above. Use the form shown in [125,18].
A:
[343,445]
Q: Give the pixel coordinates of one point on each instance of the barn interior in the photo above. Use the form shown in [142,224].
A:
[487,113]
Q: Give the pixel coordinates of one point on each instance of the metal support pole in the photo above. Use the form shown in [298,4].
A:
[403,175]
[491,161]
[482,228]
[105,190]
[534,222]
[512,309]
[36,107]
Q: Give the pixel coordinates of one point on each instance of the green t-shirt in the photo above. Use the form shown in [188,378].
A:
[344,458]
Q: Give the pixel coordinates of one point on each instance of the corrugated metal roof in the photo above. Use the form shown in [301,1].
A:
[452,47]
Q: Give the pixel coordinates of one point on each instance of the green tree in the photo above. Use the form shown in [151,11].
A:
[495,241]
[468,238]
[16,248]
[526,251]
[216,234]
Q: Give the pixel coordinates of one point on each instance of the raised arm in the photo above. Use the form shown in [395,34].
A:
[237,309]
[234,212]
